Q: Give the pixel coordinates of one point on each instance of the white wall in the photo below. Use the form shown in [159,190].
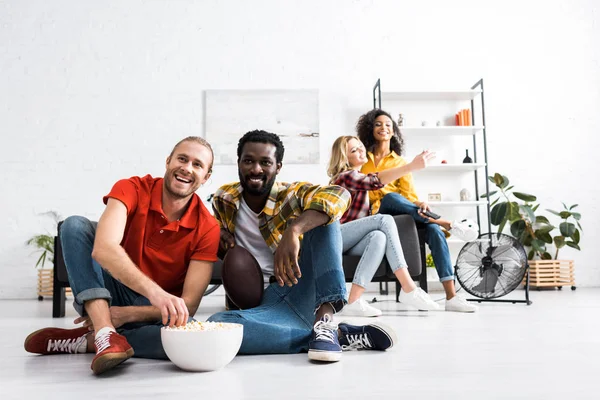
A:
[91,91]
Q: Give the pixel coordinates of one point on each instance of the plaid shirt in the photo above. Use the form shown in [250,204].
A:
[358,185]
[285,203]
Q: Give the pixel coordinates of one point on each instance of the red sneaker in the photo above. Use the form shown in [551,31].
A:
[56,341]
[111,350]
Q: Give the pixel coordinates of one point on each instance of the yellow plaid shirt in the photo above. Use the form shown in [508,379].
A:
[404,185]
[285,203]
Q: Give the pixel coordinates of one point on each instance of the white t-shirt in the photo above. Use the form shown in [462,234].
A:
[248,236]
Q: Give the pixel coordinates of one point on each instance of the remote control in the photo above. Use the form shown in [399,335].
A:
[430,214]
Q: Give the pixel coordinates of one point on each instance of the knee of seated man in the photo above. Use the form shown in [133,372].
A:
[74,224]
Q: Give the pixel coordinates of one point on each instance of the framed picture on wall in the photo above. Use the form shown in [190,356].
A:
[291,114]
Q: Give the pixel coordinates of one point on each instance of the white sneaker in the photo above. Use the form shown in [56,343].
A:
[419,299]
[360,308]
[459,304]
[464,231]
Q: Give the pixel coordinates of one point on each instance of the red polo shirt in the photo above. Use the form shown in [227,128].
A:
[163,250]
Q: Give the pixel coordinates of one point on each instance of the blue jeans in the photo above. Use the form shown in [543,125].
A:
[90,281]
[396,204]
[371,238]
[283,322]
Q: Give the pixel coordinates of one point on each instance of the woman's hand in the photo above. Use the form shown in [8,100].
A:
[422,160]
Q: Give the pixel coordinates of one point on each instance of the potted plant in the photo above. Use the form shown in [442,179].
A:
[44,244]
[536,233]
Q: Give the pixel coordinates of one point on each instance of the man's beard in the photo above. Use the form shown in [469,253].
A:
[264,189]
[178,195]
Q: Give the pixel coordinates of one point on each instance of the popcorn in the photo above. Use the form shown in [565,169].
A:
[195,326]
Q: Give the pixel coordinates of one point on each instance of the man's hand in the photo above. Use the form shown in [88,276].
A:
[172,308]
[119,316]
[287,270]
[226,242]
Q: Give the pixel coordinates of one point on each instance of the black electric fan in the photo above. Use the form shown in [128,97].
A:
[493,266]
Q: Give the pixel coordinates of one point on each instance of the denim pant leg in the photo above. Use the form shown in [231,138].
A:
[271,328]
[86,276]
[283,322]
[143,337]
[396,204]
[360,238]
[436,240]
[371,249]
[90,281]
[322,278]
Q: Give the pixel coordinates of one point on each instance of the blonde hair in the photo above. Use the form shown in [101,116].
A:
[338,162]
[200,141]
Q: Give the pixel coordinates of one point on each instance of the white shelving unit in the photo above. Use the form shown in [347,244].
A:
[428,95]
[439,132]
[412,131]
[429,124]
[466,167]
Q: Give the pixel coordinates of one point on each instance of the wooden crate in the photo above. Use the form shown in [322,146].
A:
[551,273]
[45,284]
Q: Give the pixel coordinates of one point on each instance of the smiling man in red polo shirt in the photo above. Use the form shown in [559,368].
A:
[145,264]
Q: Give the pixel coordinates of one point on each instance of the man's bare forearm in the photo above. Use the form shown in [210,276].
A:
[116,261]
[308,220]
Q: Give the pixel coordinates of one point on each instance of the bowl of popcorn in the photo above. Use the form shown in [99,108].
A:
[202,346]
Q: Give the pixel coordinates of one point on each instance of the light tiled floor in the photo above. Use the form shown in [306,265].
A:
[548,350]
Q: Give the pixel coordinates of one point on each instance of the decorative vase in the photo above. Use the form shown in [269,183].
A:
[467,159]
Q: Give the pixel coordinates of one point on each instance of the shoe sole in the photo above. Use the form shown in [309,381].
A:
[420,309]
[346,314]
[28,338]
[110,360]
[327,356]
[462,311]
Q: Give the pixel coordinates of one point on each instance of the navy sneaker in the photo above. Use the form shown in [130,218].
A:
[324,344]
[376,336]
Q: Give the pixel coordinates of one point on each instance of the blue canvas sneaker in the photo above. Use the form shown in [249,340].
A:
[324,344]
[376,336]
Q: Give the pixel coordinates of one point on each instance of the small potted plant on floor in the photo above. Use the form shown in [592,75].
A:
[536,233]
[44,244]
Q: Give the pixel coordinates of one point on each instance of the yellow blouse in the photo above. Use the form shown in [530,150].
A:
[404,185]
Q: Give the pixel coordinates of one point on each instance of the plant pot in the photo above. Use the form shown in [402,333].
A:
[45,286]
[551,273]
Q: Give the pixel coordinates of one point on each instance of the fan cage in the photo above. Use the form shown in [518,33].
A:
[492,266]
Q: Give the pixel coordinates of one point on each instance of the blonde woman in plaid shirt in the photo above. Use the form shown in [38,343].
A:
[372,236]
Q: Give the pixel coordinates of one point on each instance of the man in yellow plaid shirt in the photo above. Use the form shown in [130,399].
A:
[293,231]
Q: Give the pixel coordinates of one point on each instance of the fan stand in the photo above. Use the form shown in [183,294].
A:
[526,301]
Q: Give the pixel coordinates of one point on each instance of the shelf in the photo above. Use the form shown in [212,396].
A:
[459,95]
[451,168]
[457,203]
[440,130]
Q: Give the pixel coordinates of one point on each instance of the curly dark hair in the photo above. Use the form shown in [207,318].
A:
[364,130]
[258,136]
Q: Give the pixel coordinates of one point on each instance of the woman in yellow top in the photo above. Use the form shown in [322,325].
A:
[383,140]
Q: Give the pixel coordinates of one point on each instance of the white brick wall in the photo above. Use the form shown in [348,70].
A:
[91,92]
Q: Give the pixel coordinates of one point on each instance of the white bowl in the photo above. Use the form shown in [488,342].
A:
[202,350]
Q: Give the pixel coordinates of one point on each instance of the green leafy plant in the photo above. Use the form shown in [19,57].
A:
[429,261]
[533,231]
[569,233]
[44,243]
